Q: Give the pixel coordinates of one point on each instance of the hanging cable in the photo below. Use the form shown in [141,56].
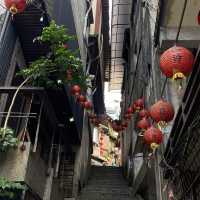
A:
[176,40]
[181,21]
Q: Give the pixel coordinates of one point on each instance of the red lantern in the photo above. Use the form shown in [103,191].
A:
[176,62]
[88,105]
[139,104]
[130,110]
[76,90]
[198,18]
[143,124]
[143,113]
[153,135]
[162,111]
[81,98]
[15,6]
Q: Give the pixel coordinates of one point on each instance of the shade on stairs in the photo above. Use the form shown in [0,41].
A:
[106,183]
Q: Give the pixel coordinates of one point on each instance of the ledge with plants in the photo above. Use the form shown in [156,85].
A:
[10,190]
[61,66]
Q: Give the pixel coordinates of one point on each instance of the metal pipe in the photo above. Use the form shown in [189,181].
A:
[38,127]
[19,116]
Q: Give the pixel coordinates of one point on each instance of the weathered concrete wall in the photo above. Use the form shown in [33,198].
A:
[79,11]
[13,164]
[82,160]
[173,10]
[36,173]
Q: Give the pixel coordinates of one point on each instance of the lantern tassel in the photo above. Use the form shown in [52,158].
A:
[13,9]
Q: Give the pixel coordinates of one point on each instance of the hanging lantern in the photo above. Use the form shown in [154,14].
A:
[162,112]
[87,105]
[130,110]
[153,137]
[143,113]
[76,90]
[198,18]
[101,138]
[139,104]
[176,62]
[81,98]
[143,124]
[15,6]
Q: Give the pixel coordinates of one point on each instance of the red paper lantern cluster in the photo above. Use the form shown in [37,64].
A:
[138,104]
[143,124]
[153,136]
[143,113]
[162,111]
[76,91]
[176,62]
[15,6]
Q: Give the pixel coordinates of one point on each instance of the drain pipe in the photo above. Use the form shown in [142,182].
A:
[86,42]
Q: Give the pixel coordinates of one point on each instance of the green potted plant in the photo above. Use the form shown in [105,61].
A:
[10,190]
[61,65]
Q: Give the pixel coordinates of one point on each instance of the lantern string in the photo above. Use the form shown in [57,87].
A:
[176,40]
[181,21]
[163,88]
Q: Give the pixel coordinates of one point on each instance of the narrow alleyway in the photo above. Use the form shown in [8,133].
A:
[106,183]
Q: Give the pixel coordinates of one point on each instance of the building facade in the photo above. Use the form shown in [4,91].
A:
[54,154]
[154,27]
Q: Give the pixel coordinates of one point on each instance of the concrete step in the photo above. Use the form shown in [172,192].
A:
[104,197]
[106,183]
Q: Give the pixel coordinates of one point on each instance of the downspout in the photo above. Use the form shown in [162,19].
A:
[86,41]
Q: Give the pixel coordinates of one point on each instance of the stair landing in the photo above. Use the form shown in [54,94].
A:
[106,183]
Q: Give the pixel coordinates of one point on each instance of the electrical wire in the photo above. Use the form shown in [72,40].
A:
[177,37]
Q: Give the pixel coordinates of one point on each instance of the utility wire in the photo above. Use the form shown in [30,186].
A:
[176,40]
[181,21]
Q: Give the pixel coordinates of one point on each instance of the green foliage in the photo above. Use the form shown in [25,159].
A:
[7,139]
[55,35]
[47,71]
[9,189]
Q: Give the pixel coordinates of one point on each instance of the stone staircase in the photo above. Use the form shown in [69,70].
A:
[67,177]
[106,183]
